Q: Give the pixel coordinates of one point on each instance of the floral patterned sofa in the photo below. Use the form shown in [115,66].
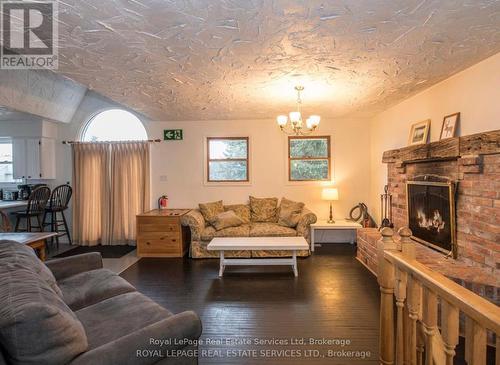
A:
[262,217]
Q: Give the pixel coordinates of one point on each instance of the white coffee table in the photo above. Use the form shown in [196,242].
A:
[339,225]
[292,244]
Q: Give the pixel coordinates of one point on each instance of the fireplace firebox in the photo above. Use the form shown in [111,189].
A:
[431,214]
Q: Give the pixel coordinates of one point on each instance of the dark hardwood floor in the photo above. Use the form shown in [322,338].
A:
[334,298]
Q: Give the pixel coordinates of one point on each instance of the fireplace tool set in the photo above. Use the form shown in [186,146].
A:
[386,209]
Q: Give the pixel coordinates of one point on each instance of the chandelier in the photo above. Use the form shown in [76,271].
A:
[295,127]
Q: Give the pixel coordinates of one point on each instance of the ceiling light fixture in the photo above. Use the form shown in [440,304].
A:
[296,125]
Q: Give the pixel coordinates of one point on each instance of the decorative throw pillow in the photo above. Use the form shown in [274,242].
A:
[241,210]
[289,213]
[264,209]
[226,220]
[211,210]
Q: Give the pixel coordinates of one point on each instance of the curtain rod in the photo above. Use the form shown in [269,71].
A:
[78,142]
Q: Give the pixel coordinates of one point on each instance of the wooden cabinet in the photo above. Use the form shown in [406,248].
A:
[160,234]
[34,158]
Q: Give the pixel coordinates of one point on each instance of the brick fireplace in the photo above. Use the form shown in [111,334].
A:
[472,164]
[477,175]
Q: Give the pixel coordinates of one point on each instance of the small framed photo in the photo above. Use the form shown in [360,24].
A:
[449,126]
[419,132]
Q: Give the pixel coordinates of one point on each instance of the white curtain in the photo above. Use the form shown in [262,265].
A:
[111,186]
[129,189]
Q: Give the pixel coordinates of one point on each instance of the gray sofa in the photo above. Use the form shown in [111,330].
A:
[72,311]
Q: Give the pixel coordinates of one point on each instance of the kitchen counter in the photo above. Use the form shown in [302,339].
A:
[10,204]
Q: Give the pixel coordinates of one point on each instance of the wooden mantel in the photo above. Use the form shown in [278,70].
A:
[449,149]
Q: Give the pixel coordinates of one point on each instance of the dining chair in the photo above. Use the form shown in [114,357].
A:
[58,203]
[36,207]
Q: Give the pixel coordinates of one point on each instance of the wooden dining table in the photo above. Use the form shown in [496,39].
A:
[36,240]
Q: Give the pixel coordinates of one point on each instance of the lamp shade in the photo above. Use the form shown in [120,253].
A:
[282,120]
[330,194]
[295,117]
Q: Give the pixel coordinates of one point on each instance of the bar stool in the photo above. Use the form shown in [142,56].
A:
[36,207]
[58,203]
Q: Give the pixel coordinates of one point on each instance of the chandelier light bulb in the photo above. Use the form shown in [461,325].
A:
[315,119]
[282,120]
[309,123]
[295,117]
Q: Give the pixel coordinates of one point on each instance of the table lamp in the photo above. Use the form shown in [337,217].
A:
[330,194]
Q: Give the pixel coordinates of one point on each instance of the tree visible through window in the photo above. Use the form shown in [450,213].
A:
[227,159]
[114,125]
[309,158]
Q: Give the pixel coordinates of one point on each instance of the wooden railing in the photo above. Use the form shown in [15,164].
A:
[427,326]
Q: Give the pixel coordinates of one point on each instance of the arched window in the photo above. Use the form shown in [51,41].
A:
[114,125]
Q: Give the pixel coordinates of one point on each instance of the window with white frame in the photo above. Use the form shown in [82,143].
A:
[227,159]
[6,169]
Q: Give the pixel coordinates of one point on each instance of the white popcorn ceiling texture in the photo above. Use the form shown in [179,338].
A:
[239,59]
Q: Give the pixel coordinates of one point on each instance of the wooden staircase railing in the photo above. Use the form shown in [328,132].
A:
[428,305]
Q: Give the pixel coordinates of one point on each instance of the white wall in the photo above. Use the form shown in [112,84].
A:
[474,92]
[182,162]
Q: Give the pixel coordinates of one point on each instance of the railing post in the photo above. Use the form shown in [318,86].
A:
[420,343]
[475,342]
[429,319]
[414,309]
[407,244]
[400,290]
[385,279]
[449,329]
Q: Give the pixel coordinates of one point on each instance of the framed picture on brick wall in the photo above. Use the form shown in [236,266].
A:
[449,126]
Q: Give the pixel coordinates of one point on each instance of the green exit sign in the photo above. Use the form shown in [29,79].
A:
[172,135]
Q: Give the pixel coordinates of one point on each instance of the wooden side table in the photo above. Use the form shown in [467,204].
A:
[36,240]
[160,233]
[339,225]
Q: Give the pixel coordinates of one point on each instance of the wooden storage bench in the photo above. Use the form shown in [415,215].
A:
[160,233]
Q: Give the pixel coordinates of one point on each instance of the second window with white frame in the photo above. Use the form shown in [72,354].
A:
[309,158]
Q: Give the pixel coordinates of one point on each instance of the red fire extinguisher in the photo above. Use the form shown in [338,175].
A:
[163,202]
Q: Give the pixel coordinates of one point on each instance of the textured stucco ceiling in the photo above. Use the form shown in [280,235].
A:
[239,59]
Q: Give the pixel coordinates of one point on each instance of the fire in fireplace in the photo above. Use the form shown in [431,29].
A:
[431,214]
